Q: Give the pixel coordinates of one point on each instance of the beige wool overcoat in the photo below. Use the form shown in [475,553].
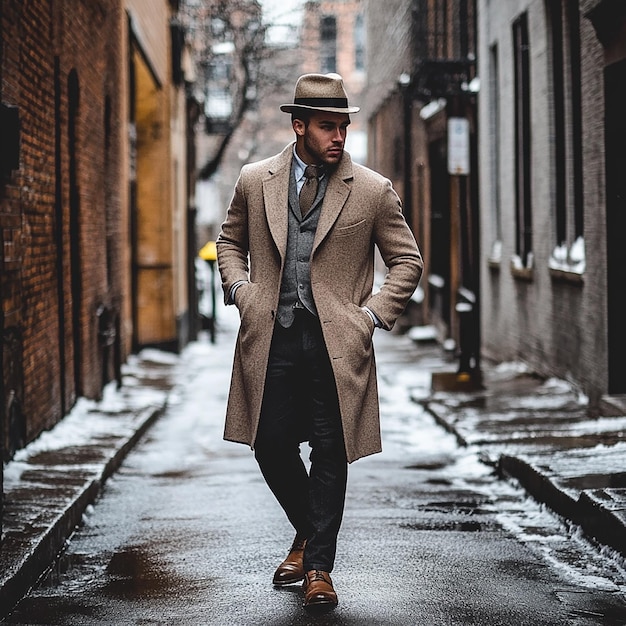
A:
[360,210]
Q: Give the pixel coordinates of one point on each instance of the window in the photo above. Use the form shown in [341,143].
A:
[218,28]
[523,204]
[359,43]
[494,151]
[328,44]
[564,22]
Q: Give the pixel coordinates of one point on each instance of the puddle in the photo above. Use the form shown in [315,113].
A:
[175,474]
[466,526]
[465,507]
[445,482]
[71,455]
[132,574]
[602,608]
[432,465]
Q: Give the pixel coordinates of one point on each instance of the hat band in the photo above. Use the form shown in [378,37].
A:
[340,103]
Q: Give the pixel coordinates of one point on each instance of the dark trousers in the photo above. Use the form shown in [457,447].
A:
[300,404]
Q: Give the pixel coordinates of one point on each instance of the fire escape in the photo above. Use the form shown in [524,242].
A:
[443,79]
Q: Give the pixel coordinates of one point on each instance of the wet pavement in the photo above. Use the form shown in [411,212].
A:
[50,483]
[535,431]
[539,432]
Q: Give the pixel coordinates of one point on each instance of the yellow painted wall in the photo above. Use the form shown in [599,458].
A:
[161,206]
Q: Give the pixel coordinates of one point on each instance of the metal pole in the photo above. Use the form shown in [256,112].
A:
[208,253]
[213,301]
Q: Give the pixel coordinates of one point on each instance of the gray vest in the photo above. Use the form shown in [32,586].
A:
[295,289]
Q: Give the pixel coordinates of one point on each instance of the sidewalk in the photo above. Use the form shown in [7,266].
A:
[50,483]
[533,430]
[538,432]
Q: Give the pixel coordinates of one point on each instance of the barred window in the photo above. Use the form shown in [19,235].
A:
[564,23]
[523,202]
[328,44]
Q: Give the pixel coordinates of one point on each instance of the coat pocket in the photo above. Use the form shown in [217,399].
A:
[345,231]
[364,324]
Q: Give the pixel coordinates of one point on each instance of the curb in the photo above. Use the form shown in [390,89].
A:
[600,513]
[538,485]
[600,516]
[604,519]
[15,584]
[441,414]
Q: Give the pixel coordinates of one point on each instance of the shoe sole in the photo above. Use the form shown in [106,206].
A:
[284,583]
[320,607]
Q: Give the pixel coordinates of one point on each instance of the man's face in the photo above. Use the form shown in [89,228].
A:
[322,140]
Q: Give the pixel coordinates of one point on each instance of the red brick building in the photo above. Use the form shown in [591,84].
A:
[72,145]
[421,68]
[60,205]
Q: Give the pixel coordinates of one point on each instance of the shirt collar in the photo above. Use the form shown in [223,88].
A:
[300,165]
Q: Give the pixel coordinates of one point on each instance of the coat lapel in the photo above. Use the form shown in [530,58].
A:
[335,198]
[276,197]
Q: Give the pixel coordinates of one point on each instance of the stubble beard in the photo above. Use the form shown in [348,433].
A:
[320,157]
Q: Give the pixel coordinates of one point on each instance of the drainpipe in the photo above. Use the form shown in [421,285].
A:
[405,82]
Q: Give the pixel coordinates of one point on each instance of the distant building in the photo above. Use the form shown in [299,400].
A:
[330,37]
[334,40]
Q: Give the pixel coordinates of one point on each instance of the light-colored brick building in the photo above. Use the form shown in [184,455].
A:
[553,232]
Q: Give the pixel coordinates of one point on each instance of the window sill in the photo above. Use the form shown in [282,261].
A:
[525,274]
[573,278]
[494,264]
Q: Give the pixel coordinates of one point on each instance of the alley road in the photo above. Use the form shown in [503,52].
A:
[186,532]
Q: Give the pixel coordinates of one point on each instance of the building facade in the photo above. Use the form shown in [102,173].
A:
[333,39]
[93,200]
[421,71]
[552,189]
[161,263]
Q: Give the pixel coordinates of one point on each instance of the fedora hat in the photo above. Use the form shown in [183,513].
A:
[320,92]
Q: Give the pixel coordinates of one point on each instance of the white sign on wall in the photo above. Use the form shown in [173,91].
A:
[458,146]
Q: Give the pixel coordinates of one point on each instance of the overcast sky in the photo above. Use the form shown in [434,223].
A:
[282,11]
[282,15]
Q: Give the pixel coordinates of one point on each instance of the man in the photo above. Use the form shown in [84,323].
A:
[296,256]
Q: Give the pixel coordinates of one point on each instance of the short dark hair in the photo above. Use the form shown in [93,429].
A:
[301,114]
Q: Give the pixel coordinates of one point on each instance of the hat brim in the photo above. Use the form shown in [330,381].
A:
[294,108]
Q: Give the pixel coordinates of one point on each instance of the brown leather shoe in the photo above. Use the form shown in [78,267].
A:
[291,569]
[318,591]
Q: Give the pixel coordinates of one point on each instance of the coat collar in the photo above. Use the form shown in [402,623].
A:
[276,196]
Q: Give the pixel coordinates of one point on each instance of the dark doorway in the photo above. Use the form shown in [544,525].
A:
[615,138]
[439,273]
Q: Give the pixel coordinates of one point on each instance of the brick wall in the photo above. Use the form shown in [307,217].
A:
[389,48]
[60,62]
[557,326]
[27,220]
